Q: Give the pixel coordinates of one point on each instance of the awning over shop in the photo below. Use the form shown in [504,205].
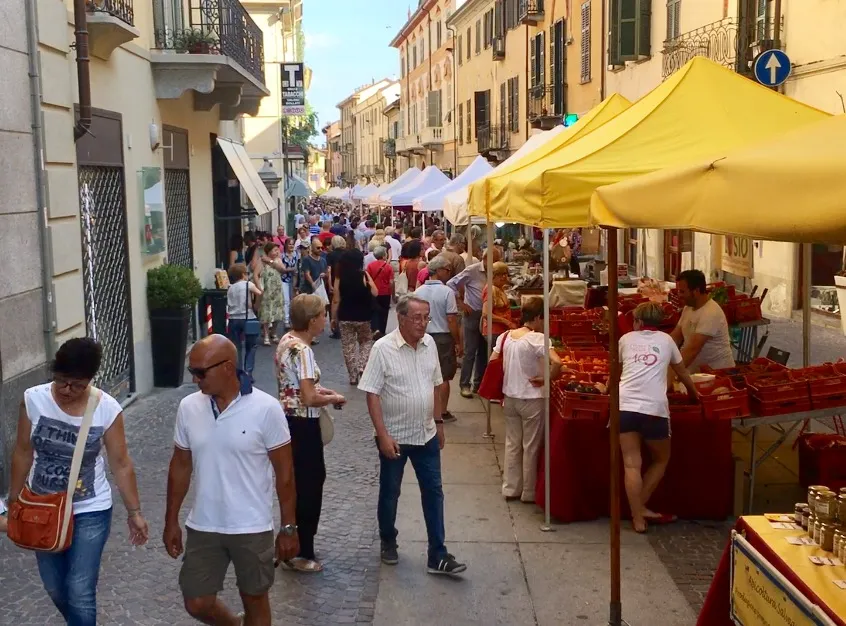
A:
[702,111]
[434,201]
[402,180]
[297,188]
[247,175]
[427,181]
[790,188]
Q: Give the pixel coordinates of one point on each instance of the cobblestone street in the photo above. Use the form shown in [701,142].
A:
[139,586]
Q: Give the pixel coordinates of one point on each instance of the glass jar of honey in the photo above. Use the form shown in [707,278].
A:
[824,505]
[827,537]
[797,512]
[806,513]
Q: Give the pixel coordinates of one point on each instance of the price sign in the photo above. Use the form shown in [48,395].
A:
[737,255]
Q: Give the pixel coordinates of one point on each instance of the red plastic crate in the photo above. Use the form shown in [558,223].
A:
[823,380]
[757,367]
[681,407]
[784,389]
[779,407]
[586,406]
[730,405]
[822,460]
[747,309]
[730,311]
[730,289]
[575,327]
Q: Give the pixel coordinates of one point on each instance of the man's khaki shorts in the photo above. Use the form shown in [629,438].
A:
[207,557]
[446,354]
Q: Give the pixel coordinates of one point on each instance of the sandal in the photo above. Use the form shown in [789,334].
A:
[304,566]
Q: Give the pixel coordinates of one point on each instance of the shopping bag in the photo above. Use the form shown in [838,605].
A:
[491,385]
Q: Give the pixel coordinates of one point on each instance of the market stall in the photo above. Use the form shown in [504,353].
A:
[654,133]
[434,200]
[431,179]
[401,181]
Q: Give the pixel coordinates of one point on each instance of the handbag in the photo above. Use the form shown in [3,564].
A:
[45,522]
[401,283]
[327,426]
[491,385]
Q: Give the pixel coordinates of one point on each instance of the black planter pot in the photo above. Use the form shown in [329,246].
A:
[169,338]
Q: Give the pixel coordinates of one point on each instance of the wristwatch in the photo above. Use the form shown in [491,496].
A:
[288,529]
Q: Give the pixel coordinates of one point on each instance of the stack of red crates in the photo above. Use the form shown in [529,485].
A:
[826,384]
[777,393]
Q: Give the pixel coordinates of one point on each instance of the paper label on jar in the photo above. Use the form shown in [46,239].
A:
[823,508]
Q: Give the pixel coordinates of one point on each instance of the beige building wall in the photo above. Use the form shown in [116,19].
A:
[372,132]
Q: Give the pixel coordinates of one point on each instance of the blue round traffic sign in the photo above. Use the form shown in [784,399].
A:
[772,67]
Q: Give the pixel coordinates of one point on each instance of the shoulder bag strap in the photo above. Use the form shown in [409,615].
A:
[76,463]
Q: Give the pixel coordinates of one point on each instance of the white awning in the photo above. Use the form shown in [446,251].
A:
[247,175]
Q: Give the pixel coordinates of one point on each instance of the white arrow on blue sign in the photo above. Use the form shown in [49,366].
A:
[772,68]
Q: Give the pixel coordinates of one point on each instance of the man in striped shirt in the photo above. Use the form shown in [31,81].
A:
[402,381]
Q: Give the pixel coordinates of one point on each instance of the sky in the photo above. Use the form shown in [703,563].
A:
[346,46]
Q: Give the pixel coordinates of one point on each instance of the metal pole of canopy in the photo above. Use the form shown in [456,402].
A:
[547,523]
[806,304]
[489,335]
[616,608]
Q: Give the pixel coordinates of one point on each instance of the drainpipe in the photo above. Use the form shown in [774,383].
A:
[40,181]
[83,72]
[602,52]
[454,98]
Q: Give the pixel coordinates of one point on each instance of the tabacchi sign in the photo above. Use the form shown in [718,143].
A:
[293,89]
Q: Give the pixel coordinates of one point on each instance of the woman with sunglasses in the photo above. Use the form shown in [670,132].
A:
[48,424]
[302,397]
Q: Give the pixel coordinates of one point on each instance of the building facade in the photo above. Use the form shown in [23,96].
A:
[426,80]
[334,165]
[372,127]
[522,67]
[732,33]
[392,118]
[350,132]
[127,170]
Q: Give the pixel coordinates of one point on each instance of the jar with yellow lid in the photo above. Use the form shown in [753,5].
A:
[827,537]
[824,505]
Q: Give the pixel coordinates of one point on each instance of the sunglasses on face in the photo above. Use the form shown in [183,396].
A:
[200,372]
[75,386]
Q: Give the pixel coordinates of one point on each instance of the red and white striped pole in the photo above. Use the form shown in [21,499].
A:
[209,323]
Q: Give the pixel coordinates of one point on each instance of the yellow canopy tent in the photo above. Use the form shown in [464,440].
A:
[790,188]
[496,180]
[702,110]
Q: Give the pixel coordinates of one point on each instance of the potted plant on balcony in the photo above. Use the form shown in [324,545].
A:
[194,41]
[172,292]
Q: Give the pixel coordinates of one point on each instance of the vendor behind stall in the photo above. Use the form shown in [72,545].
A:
[702,332]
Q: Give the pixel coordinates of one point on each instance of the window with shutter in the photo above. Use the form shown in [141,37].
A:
[541,59]
[585,47]
[434,109]
[503,106]
[439,34]
[533,58]
[447,112]
[514,109]
[762,15]
[644,29]
[460,124]
[673,19]
[460,50]
[467,110]
[478,36]
[469,43]
[499,18]
[631,30]
[413,56]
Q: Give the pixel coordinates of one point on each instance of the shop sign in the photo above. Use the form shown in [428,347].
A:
[737,255]
[761,596]
[293,89]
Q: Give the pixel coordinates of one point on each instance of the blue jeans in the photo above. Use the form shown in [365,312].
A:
[242,341]
[426,460]
[70,577]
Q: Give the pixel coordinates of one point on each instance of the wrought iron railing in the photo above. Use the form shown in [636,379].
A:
[530,10]
[544,102]
[389,148]
[219,27]
[121,9]
[489,138]
[729,42]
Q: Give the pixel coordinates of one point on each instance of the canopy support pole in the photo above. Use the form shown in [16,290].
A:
[616,606]
[488,256]
[547,490]
[806,304]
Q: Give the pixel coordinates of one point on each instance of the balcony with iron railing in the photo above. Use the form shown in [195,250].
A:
[530,11]
[111,23]
[221,45]
[545,104]
[389,148]
[432,136]
[491,139]
[730,42]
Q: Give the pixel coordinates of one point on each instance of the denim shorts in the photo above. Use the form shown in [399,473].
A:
[650,427]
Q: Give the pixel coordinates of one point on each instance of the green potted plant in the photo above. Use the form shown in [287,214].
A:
[194,41]
[172,293]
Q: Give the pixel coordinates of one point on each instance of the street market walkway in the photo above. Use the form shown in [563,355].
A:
[516,574]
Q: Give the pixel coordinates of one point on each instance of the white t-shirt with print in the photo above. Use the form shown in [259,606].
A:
[708,320]
[646,356]
[53,438]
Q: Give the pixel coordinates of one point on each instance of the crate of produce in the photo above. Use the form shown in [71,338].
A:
[722,400]
[575,342]
[746,310]
[757,367]
[629,303]
[585,401]
[779,407]
[568,327]
[682,407]
[823,380]
[822,460]
[776,386]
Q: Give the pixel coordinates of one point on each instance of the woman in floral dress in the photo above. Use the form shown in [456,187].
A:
[302,397]
[269,279]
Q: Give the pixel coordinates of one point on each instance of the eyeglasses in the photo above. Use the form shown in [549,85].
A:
[200,372]
[77,387]
[418,319]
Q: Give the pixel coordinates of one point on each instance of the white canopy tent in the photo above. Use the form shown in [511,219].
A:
[455,203]
[364,192]
[402,180]
[434,201]
[431,179]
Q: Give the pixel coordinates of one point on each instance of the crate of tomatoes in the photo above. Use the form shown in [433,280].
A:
[826,384]
[777,393]
[720,399]
[583,397]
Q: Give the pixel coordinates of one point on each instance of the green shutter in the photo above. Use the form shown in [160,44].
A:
[627,30]
[541,59]
[614,33]
[644,29]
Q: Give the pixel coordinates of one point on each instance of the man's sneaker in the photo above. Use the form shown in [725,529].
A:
[447,566]
[448,417]
[389,555]
[466,393]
